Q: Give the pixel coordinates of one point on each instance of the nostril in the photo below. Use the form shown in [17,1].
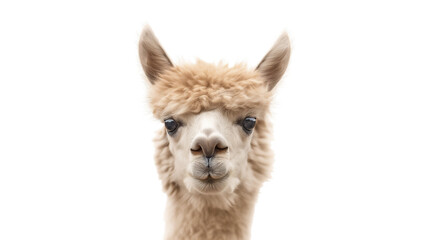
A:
[199,149]
[221,148]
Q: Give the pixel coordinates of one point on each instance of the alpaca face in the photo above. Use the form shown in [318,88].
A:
[215,117]
[210,149]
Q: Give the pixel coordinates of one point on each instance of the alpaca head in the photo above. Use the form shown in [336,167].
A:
[215,134]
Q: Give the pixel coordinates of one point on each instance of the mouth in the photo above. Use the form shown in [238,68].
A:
[211,184]
[213,179]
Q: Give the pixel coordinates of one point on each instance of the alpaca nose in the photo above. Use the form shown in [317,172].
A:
[208,147]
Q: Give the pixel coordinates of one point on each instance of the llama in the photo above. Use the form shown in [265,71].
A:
[213,153]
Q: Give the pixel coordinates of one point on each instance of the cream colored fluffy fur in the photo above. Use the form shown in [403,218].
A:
[212,97]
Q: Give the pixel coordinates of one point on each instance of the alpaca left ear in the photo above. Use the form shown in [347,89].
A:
[274,64]
[153,58]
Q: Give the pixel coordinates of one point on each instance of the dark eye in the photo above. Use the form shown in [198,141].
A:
[171,125]
[248,124]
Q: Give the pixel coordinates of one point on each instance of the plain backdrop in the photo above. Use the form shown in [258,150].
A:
[351,115]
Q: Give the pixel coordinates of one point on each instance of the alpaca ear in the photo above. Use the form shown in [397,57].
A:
[274,64]
[153,58]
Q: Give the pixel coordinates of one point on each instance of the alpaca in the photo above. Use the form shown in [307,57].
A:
[213,152]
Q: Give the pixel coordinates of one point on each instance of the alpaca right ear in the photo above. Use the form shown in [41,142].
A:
[274,64]
[153,58]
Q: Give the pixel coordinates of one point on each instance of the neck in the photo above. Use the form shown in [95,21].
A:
[189,220]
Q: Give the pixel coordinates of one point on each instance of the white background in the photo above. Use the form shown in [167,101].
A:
[351,115]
